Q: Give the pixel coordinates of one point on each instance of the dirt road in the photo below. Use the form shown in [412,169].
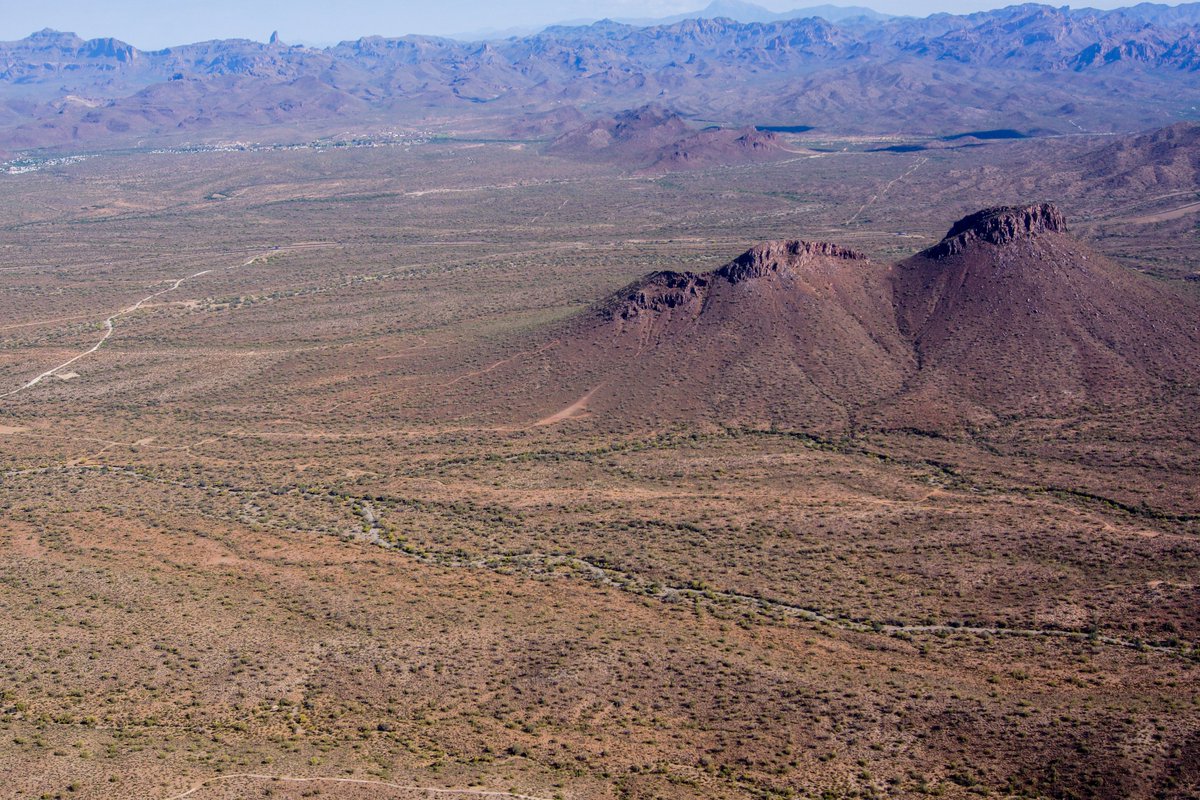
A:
[110,323]
[574,410]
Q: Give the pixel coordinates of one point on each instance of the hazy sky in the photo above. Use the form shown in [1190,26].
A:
[158,23]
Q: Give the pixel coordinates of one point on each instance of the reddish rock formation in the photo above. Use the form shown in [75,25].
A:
[1008,318]
[783,256]
[1009,315]
[999,226]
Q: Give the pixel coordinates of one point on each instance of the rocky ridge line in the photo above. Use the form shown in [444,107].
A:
[999,226]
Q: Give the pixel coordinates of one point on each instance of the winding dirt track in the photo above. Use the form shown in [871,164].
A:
[624,581]
[110,324]
[108,332]
[499,364]
[631,582]
[355,781]
[1166,216]
[575,409]
[920,162]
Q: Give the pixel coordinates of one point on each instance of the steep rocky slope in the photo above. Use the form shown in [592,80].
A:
[1008,317]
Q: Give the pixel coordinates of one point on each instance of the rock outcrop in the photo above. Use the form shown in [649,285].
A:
[783,256]
[666,290]
[999,226]
[658,292]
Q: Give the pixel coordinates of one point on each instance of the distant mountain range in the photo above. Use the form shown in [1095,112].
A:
[1025,67]
[718,9]
[749,12]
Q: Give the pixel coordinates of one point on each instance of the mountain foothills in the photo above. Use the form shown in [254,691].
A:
[1163,160]
[654,140]
[1033,67]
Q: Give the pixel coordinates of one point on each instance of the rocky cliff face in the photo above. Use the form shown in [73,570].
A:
[658,292]
[783,257]
[999,226]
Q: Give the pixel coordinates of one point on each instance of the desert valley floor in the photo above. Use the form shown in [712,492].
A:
[315,518]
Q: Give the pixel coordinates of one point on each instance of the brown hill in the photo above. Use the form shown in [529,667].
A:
[546,124]
[1011,316]
[1007,317]
[1166,159]
[716,146]
[655,140]
[790,330]
[632,136]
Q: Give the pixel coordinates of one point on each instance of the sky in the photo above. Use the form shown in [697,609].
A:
[152,24]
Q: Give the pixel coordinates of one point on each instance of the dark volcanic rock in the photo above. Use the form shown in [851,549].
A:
[999,226]
[664,291]
[782,256]
[657,292]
